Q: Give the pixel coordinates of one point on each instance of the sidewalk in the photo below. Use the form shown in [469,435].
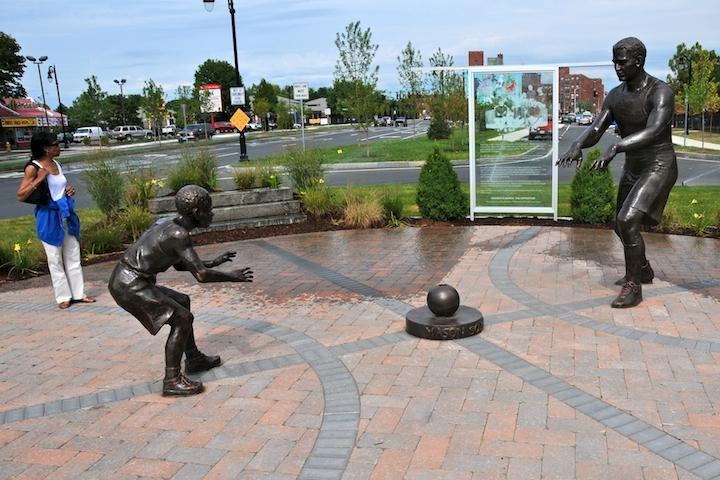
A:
[680,140]
[320,380]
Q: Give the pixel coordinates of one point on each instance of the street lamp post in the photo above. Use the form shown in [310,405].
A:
[686,62]
[38,62]
[52,73]
[121,82]
[209,5]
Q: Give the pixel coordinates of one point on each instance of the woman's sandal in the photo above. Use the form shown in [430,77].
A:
[64,305]
[85,300]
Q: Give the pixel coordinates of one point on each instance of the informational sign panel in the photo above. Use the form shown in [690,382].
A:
[213,102]
[237,95]
[301,91]
[239,119]
[19,122]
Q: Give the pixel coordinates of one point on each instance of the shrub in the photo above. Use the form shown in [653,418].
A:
[265,175]
[104,141]
[105,182]
[135,219]
[86,141]
[439,128]
[439,196]
[320,201]
[392,204]
[592,192]
[305,168]
[698,220]
[142,186]
[104,236]
[362,209]
[194,169]
[244,178]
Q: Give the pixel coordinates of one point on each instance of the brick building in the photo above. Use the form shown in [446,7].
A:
[576,88]
[477,59]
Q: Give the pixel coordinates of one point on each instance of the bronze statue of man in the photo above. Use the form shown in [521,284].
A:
[642,106]
[132,285]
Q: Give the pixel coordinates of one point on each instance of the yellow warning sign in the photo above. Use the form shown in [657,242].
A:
[239,119]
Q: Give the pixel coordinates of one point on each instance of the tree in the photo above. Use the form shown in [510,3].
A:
[221,72]
[267,91]
[261,108]
[355,79]
[90,106]
[12,67]
[702,92]
[185,105]
[683,67]
[153,104]
[411,79]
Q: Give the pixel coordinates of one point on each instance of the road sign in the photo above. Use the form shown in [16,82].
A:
[237,95]
[213,101]
[239,119]
[300,91]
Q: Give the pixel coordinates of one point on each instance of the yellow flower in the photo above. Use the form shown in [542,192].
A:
[694,202]
[29,242]
[697,216]
[17,247]
[321,181]
[339,151]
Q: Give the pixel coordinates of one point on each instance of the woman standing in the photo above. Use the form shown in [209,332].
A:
[56,222]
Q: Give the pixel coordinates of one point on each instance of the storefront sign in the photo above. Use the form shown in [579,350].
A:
[19,122]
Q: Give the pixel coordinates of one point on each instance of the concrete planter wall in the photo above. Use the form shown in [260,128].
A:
[242,208]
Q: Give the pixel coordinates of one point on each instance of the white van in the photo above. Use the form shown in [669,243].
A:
[94,133]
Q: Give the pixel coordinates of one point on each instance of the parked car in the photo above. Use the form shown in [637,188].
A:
[400,122]
[253,126]
[568,118]
[195,131]
[169,130]
[128,132]
[585,119]
[542,132]
[65,137]
[93,133]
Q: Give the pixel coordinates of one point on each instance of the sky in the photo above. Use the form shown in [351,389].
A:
[288,41]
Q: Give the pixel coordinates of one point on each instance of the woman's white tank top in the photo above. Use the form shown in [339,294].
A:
[57,183]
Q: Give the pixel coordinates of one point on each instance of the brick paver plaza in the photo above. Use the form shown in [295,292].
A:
[320,380]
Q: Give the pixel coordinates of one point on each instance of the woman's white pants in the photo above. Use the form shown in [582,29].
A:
[65,269]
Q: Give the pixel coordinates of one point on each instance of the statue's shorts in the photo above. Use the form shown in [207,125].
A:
[138,295]
[648,177]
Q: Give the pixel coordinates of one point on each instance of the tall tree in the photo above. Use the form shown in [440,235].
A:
[702,92]
[218,71]
[355,78]
[448,101]
[185,105]
[411,78]
[267,92]
[90,106]
[12,67]
[153,104]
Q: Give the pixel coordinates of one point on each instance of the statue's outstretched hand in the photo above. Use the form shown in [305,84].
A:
[225,257]
[573,154]
[603,162]
[243,275]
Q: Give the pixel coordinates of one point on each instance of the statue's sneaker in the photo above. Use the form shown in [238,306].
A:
[181,386]
[201,362]
[630,295]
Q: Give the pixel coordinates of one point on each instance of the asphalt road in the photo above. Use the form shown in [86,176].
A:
[693,171]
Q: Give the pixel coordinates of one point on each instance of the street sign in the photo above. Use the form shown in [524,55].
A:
[239,119]
[213,101]
[300,91]
[237,95]
[19,122]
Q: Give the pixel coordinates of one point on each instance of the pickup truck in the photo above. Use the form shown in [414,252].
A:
[169,130]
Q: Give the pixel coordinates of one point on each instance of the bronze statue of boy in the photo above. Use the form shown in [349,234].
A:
[132,285]
[642,106]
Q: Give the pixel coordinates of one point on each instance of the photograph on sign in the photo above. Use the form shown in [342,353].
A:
[237,95]
[212,100]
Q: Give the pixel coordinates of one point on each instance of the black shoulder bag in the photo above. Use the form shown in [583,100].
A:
[41,194]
